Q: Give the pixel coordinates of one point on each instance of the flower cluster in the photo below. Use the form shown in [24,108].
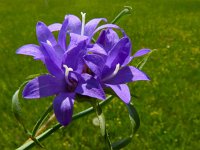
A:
[78,65]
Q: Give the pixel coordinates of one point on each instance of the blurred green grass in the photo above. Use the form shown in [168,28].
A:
[168,105]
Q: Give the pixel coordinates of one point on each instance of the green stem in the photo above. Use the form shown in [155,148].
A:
[39,122]
[102,125]
[48,132]
[126,10]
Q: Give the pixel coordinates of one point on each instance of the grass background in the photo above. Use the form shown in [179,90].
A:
[168,105]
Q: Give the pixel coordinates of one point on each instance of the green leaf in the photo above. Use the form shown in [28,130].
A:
[16,108]
[125,11]
[107,139]
[102,124]
[121,143]
[56,127]
[41,119]
[100,116]
[134,117]
[135,124]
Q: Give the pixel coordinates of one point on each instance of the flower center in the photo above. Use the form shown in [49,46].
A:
[71,81]
[83,23]
[67,70]
[114,73]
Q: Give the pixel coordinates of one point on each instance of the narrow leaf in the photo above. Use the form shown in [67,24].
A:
[107,139]
[38,143]
[102,124]
[135,124]
[125,11]
[56,127]
[101,118]
[16,108]
[41,119]
[134,117]
[121,143]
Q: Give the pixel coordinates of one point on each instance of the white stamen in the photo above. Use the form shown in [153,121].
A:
[116,69]
[114,73]
[83,23]
[67,70]
[49,43]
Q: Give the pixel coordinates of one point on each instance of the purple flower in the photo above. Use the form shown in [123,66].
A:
[79,66]
[112,69]
[71,24]
[66,66]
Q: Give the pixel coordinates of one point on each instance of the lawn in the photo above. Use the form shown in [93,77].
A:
[168,105]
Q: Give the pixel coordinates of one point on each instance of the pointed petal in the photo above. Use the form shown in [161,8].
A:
[91,87]
[63,34]
[107,39]
[71,24]
[63,108]
[119,53]
[55,27]
[92,24]
[31,50]
[77,40]
[127,74]
[73,58]
[74,24]
[52,62]
[122,91]
[95,63]
[43,86]
[141,52]
[44,34]
[96,49]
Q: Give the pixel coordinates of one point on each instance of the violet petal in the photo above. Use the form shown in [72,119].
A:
[122,90]
[89,86]
[107,39]
[92,24]
[31,50]
[43,86]
[74,25]
[52,62]
[95,63]
[44,34]
[55,27]
[119,53]
[141,52]
[96,49]
[63,107]
[73,58]
[127,74]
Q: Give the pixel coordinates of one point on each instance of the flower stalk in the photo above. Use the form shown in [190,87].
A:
[53,129]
